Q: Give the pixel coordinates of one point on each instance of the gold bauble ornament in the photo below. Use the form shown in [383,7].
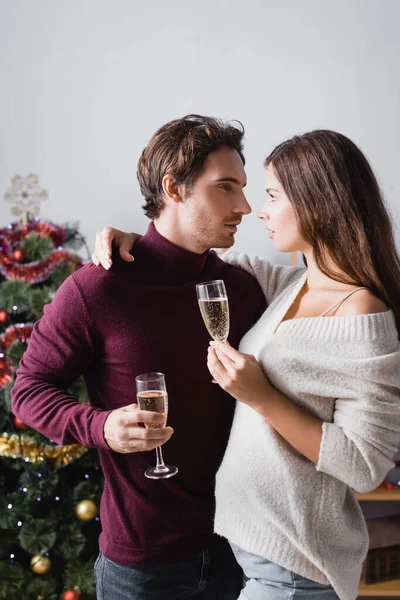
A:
[86,510]
[40,564]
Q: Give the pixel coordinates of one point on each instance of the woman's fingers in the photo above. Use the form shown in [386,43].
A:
[125,241]
[224,359]
[229,352]
[103,249]
[108,234]
[125,254]
[100,255]
[221,366]
[215,367]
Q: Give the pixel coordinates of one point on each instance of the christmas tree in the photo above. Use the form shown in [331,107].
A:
[49,494]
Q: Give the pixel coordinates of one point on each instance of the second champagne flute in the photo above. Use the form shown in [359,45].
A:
[214,308]
[152,395]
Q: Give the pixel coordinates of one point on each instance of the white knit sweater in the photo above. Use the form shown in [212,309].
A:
[270,499]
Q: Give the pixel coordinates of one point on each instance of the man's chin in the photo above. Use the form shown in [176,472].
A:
[224,242]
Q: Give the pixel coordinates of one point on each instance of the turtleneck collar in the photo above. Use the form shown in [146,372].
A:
[166,260]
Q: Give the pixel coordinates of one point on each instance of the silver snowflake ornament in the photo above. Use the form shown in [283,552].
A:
[25,194]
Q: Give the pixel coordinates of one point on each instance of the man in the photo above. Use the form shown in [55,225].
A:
[110,326]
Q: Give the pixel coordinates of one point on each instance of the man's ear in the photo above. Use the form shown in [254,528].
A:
[172,191]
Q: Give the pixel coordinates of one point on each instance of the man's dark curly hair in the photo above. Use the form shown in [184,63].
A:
[180,149]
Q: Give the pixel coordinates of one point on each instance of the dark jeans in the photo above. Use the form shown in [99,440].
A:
[211,574]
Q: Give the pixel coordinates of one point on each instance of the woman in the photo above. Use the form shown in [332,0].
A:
[317,378]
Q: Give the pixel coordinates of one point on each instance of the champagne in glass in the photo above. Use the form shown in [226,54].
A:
[152,395]
[214,308]
[154,401]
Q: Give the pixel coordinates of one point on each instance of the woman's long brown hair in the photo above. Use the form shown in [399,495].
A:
[340,211]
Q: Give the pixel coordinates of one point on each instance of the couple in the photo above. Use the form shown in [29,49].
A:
[316,377]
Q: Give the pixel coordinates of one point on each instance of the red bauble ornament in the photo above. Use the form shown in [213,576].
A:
[19,255]
[71,595]
[3,316]
[389,486]
[20,332]
[20,425]
[5,373]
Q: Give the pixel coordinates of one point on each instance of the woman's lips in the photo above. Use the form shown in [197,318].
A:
[271,233]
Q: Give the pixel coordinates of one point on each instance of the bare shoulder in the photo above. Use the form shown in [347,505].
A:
[362,302]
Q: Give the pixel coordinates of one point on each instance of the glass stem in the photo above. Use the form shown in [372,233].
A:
[160,461]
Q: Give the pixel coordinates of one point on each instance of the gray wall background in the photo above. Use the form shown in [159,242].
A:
[85,83]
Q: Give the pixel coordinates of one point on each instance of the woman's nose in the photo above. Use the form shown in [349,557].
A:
[263,215]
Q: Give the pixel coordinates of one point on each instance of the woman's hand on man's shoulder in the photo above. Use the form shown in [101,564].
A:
[109,237]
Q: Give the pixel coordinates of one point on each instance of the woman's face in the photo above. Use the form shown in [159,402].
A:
[280,218]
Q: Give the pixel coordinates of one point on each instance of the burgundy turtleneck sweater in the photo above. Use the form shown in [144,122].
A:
[111,326]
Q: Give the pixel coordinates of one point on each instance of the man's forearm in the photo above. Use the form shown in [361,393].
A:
[59,351]
[54,413]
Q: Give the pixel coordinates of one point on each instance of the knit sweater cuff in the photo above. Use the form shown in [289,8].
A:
[97,429]
[327,450]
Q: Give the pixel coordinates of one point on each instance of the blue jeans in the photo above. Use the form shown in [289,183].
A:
[264,580]
[211,574]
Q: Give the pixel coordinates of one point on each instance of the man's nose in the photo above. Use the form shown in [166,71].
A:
[242,207]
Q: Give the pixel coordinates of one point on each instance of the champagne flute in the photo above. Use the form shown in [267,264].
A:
[214,308]
[152,395]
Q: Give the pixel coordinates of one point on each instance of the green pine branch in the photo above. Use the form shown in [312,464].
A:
[36,246]
[72,540]
[14,296]
[38,298]
[62,270]
[15,352]
[4,412]
[37,535]
[8,516]
[38,481]
[75,239]
[12,580]
[80,575]
[7,394]
[43,587]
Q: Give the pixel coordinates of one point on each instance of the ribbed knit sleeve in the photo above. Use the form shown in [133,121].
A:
[358,446]
[271,278]
[59,351]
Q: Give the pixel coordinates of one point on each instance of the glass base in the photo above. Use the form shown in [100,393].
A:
[161,472]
